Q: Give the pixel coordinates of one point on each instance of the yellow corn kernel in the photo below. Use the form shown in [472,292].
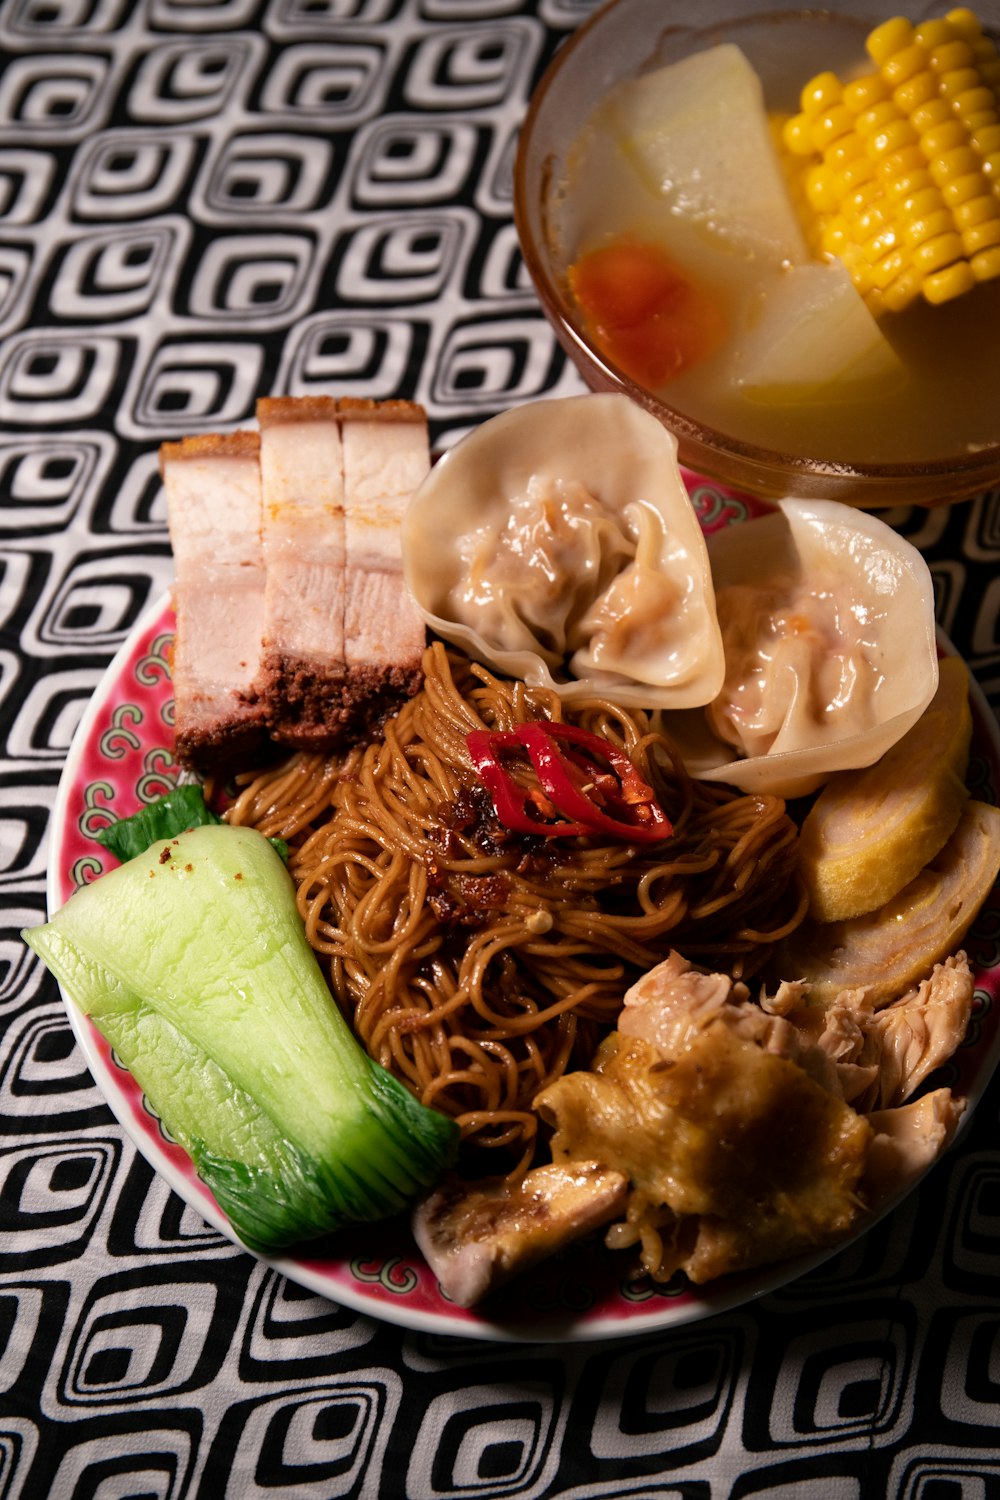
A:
[991,168]
[918,90]
[973,102]
[942,138]
[848,148]
[857,266]
[920,229]
[830,126]
[875,118]
[796,135]
[885,271]
[966,22]
[897,163]
[904,65]
[892,36]
[859,198]
[956,82]
[855,175]
[835,235]
[936,253]
[981,236]
[925,116]
[820,93]
[903,290]
[822,190]
[893,137]
[952,54]
[975,211]
[986,265]
[951,165]
[927,201]
[864,93]
[935,33]
[987,140]
[953,281]
[875,218]
[909,183]
[961,189]
[879,246]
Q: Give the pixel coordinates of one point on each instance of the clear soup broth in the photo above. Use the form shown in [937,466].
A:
[942,399]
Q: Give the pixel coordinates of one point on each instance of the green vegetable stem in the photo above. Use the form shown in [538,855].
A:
[192,961]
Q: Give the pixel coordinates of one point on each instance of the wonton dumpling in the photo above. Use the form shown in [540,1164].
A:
[557,543]
[828,620]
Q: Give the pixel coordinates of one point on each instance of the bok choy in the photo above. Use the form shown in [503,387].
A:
[192,961]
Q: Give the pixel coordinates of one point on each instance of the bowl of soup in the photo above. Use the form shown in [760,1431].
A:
[691,252]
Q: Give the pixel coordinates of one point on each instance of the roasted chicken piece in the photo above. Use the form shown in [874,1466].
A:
[906,1141]
[474,1239]
[740,1126]
[882,1056]
[736,1155]
[918,1032]
[718,1134]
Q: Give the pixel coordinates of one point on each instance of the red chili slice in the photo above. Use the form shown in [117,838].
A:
[511,801]
[574,782]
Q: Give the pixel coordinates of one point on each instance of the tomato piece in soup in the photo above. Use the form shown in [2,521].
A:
[646,314]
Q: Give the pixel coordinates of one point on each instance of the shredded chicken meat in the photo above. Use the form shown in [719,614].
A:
[476,1239]
[744,1128]
[716,1133]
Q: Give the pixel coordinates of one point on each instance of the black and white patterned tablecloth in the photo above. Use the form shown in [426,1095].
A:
[201,203]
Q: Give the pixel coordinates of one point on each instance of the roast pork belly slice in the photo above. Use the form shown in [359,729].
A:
[212,489]
[302,477]
[386,456]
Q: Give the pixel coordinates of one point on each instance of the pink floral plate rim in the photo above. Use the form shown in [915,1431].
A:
[119,759]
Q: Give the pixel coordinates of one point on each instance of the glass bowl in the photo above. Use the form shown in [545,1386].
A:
[787,45]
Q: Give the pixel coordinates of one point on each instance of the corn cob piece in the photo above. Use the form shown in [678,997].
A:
[901,167]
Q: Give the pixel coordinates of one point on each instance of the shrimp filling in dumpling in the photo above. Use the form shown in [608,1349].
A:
[802,666]
[827,620]
[565,575]
[527,581]
[557,543]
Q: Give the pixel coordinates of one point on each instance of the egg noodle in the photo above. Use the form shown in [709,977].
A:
[479,965]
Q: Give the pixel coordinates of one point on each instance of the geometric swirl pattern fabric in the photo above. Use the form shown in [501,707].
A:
[203,202]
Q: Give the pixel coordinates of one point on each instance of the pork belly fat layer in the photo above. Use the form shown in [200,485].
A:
[301,461]
[386,456]
[212,489]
